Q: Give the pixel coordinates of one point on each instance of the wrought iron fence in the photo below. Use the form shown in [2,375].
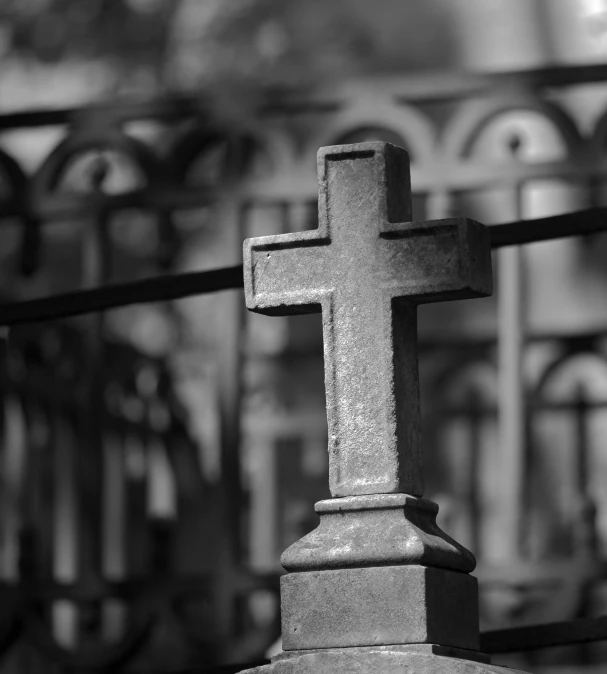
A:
[442,178]
[93,423]
[499,641]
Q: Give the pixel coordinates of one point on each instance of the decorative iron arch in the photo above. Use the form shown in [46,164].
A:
[15,174]
[472,375]
[48,175]
[473,117]
[19,186]
[241,147]
[111,138]
[406,122]
[562,362]
[597,144]
[97,655]
[278,146]
[193,143]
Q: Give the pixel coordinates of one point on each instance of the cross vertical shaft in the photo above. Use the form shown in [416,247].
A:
[367,267]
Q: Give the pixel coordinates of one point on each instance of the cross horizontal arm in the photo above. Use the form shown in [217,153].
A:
[287,273]
[436,261]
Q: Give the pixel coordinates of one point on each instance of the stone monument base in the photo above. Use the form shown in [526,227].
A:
[406,659]
[345,608]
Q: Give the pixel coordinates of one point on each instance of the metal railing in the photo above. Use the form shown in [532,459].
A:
[35,201]
[174,287]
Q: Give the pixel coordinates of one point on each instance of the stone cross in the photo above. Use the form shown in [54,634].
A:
[367,267]
[377,587]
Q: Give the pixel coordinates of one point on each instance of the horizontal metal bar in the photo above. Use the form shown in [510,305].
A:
[445,86]
[487,411]
[157,289]
[577,223]
[473,342]
[549,573]
[457,177]
[437,85]
[71,206]
[517,639]
[177,107]
[133,588]
[164,288]
[462,177]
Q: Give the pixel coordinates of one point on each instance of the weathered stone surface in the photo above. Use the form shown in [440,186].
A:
[376,529]
[367,267]
[377,587]
[414,659]
[379,605]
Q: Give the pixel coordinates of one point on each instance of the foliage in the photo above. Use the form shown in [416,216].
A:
[292,42]
[130,34]
[191,43]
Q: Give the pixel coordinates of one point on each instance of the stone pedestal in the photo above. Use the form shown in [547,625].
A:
[361,578]
[378,605]
[377,588]
[396,615]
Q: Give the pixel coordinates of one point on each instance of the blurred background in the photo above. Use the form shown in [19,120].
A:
[156,459]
